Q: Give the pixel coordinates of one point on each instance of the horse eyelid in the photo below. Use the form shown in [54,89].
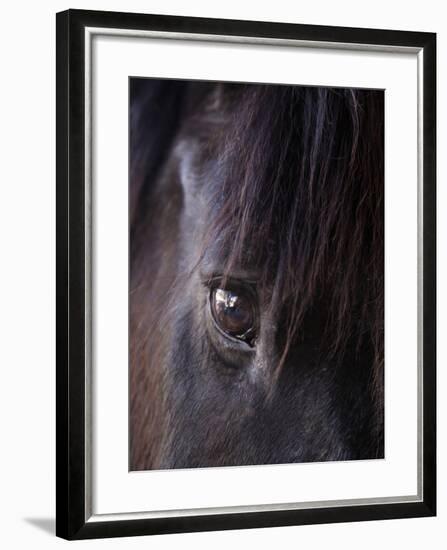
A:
[213,281]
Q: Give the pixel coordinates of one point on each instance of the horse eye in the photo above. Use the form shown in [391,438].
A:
[234,313]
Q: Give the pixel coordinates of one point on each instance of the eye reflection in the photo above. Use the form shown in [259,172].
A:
[234,313]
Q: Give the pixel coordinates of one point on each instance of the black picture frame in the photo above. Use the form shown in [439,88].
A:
[71,511]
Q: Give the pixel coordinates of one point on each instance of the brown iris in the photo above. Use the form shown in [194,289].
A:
[234,313]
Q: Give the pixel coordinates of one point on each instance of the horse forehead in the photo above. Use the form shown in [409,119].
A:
[198,168]
[203,176]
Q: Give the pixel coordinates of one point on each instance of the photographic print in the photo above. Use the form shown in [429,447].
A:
[256,274]
[246,274]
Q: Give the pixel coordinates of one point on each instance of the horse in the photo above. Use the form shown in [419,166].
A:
[256,293]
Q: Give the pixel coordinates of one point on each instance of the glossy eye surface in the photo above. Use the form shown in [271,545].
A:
[234,313]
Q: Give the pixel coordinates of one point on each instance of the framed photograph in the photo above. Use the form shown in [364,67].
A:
[246,274]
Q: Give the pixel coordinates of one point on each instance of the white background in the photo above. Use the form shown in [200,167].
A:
[27,299]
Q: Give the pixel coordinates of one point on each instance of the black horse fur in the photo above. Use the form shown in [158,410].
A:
[276,188]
